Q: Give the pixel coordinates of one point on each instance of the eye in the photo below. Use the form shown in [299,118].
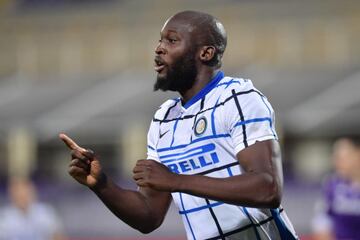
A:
[172,40]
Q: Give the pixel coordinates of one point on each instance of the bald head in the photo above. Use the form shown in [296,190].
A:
[205,29]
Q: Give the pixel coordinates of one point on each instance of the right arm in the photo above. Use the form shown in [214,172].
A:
[143,210]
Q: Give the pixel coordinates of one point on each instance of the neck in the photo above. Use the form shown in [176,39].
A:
[202,79]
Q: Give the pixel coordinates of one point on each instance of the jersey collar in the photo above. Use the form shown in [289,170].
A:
[213,82]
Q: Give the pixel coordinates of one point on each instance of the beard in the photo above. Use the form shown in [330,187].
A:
[180,76]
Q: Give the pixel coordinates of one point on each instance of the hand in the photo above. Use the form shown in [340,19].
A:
[84,166]
[149,173]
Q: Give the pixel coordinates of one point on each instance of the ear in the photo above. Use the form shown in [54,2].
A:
[207,53]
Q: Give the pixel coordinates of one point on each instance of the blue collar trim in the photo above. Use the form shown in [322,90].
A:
[212,84]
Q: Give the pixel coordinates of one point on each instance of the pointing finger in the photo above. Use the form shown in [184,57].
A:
[70,143]
[89,154]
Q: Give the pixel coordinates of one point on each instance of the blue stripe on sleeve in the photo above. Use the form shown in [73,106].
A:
[240,123]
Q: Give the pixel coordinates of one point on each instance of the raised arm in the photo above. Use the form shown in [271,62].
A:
[143,210]
[259,186]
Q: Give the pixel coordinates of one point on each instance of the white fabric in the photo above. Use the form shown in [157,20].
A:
[186,145]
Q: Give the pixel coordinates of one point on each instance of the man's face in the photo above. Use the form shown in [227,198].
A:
[175,59]
[346,158]
[22,194]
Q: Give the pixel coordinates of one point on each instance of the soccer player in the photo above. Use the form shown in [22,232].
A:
[338,214]
[214,150]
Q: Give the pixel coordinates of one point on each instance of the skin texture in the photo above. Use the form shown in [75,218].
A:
[183,35]
[22,194]
[201,35]
[346,160]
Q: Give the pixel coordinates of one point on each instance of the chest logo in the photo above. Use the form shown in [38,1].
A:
[163,134]
[200,126]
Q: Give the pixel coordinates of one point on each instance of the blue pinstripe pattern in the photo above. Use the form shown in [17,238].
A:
[230,172]
[229,83]
[201,208]
[252,223]
[194,141]
[193,152]
[254,120]
[187,219]
[173,136]
[285,233]
[211,153]
[213,117]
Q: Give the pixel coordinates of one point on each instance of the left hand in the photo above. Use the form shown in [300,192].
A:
[150,173]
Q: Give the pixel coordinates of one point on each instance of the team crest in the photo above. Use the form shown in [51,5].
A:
[200,126]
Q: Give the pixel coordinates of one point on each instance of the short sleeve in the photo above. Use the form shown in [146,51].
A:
[249,118]
[152,139]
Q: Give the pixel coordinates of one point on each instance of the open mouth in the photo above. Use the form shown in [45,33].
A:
[159,64]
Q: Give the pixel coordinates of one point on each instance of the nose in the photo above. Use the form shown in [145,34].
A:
[159,49]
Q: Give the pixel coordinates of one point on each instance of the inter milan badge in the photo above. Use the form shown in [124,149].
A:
[200,126]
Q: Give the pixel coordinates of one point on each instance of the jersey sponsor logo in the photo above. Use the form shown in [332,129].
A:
[200,126]
[192,159]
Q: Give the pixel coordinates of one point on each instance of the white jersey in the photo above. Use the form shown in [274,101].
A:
[202,138]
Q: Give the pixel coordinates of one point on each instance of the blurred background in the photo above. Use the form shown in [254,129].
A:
[85,67]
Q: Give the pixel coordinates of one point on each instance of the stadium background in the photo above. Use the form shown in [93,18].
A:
[85,68]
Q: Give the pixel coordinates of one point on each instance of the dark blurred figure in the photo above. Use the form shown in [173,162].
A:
[338,214]
[26,218]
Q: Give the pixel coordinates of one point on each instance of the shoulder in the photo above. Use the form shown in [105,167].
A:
[241,92]
[238,83]
[161,113]
[165,107]
[229,87]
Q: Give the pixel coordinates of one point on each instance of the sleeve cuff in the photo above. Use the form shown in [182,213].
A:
[241,146]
